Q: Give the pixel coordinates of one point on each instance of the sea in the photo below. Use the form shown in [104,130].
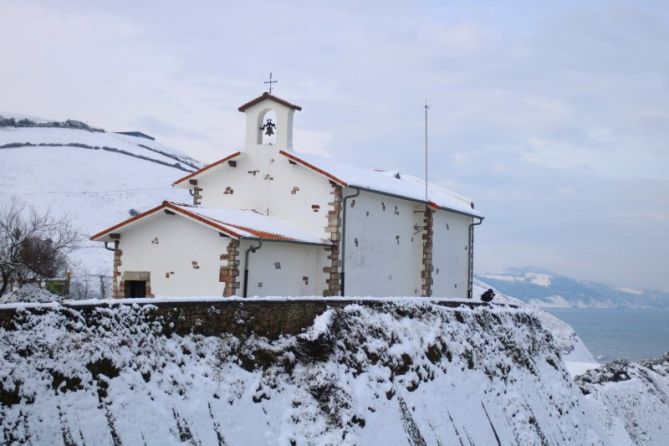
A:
[609,334]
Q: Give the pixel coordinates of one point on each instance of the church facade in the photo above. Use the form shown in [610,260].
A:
[269,221]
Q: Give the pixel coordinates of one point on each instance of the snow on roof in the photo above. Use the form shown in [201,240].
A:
[252,224]
[386,182]
[237,223]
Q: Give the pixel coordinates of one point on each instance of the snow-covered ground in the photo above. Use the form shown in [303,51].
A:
[408,373]
[630,400]
[95,187]
[576,356]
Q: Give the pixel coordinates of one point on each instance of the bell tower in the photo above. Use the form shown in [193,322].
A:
[269,122]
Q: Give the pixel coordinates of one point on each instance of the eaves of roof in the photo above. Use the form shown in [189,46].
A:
[229,229]
[206,168]
[296,159]
[310,166]
[271,97]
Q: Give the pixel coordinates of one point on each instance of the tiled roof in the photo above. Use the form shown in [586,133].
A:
[244,224]
[385,182]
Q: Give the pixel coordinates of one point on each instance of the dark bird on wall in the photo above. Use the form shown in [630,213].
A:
[488,296]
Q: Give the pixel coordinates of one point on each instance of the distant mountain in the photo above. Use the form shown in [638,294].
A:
[96,178]
[549,290]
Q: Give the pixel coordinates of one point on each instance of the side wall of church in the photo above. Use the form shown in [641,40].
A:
[450,254]
[266,181]
[183,257]
[383,245]
[284,269]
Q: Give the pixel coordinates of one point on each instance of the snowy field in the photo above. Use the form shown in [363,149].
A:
[95,187]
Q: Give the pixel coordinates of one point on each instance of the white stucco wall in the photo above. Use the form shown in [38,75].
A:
[450,254]
[381,264]
[279,269]
[264,180]
[179,243]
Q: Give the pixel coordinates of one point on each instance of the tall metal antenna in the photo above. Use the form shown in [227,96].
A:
[427,107]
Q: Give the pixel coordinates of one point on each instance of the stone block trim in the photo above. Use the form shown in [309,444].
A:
[426,273]
[117,284]
[229,271]
[144,276]
[196,193]
[197,196]
[333,282]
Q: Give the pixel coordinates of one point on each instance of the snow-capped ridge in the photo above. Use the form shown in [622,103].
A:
[549,290]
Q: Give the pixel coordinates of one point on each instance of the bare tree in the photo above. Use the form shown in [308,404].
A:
[33,245]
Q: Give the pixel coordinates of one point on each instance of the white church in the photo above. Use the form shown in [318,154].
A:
[270,221]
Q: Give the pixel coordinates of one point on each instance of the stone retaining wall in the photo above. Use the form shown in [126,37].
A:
[270,318]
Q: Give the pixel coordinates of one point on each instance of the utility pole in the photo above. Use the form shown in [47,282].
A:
[427,107]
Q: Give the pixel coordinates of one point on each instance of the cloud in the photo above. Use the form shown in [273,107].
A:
[315,143]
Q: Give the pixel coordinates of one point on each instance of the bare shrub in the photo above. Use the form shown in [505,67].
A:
[33,245]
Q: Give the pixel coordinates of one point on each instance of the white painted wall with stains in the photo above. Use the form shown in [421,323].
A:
[383,247]
[182,256]
[283,269]
[450,254]
[183,259]
[265,181]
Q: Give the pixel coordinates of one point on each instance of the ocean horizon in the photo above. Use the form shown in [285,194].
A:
[618,333]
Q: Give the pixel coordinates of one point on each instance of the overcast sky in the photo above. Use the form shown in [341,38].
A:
[553,118]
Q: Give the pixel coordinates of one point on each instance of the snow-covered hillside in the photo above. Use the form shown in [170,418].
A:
[577,358]
[94,177]
[403,373]
[549,290]
[631,400]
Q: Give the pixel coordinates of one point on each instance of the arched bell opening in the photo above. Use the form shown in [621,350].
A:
[267,127]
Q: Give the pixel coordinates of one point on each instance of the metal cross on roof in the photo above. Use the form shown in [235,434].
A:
[270,82]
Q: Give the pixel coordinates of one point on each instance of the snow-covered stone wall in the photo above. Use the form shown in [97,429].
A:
[393,373]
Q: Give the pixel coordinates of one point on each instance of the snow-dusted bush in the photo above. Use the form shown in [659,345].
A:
[29,294]
[68,124]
